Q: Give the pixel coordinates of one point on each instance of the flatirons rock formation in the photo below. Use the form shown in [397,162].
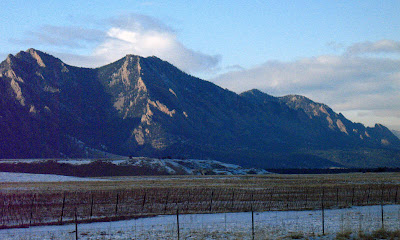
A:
[147,107]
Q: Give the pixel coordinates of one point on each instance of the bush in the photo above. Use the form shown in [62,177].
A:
[380,234]
[343,235]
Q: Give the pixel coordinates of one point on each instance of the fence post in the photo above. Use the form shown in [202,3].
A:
[144,199]
[31,217]
[252,200]
[270,200]
[323,211]
[166,202]
[382,219]
[76,224]
[352,198]
[252,222]
[2,210]
[383,225]
[62,209]
[116,205]
[177,221]
[305,205]
[233,197]
[91,207]
[211,200]
[337,197]
[188,200]
[395,196]
[225,219]
[287,202]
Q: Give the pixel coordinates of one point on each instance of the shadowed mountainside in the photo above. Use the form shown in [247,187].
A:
[147,107]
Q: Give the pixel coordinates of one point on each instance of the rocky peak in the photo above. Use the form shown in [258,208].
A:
[321,112]
[386,136]
[121,74]
[257,96]
[298,100]
[311,108]
[10,58]
[9,63]
[256,93]
[36,55]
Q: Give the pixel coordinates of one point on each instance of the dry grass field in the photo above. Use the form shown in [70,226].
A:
[244,182]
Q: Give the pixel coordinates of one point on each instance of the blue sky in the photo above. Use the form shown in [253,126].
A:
[342,53]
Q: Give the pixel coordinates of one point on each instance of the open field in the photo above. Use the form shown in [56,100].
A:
[238,182]
[41,203]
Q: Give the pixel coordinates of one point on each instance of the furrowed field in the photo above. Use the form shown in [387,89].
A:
[45,203]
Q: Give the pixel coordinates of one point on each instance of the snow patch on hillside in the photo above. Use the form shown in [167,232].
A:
[192,166]
[170,166]
[29,177]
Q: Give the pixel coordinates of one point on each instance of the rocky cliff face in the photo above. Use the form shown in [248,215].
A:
[355,132]
[147,107]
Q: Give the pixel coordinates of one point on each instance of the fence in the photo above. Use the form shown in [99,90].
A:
[243,225]
[21,208]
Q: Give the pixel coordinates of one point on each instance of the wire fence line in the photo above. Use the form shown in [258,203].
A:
[28,208]
[266,225]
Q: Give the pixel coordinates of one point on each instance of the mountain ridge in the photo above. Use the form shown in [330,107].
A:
[147,107]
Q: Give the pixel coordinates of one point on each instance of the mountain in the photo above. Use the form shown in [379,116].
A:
[147,107]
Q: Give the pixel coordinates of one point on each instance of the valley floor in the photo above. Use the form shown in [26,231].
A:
[27,198]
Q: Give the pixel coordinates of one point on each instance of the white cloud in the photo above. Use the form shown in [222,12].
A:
[62,36]
[146,36]
[323,72]
[149,42]
[371,117]
[382,46]
[129,34]
[345,82]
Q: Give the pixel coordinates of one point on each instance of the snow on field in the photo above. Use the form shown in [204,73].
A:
[29,177]
[267,225]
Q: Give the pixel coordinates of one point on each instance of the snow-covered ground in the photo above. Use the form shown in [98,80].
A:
[29,177]
[267,225]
